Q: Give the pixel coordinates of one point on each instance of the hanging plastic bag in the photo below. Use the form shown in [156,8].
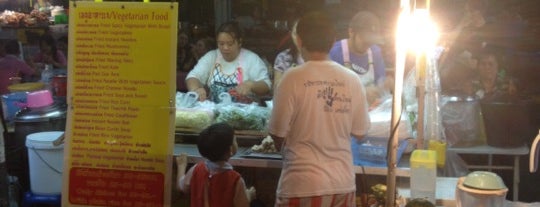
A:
[462,122]
[381,122]
[455,166]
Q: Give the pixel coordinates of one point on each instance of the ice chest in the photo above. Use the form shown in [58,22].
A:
[372,152]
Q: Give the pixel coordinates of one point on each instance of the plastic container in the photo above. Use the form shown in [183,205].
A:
[462,121]
[484,180]
[372,152]
[468,196]
[39,99]
[45,162]
[423,174]
[440,148]
[59,85]
[10,106]
[47,75]
[26,87]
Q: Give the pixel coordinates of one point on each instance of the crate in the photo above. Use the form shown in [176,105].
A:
[371,152]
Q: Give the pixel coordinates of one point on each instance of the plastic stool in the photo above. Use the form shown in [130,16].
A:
[30,199]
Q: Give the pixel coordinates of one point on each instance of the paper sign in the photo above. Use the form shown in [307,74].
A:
[121,89]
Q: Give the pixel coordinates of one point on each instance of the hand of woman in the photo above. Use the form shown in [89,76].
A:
[244,88]
[202,93]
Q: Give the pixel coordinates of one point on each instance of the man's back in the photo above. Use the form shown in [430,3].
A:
[317,108]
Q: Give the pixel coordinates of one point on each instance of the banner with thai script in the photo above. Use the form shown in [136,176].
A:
[121,89]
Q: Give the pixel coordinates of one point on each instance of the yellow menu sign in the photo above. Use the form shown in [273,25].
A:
[121,88]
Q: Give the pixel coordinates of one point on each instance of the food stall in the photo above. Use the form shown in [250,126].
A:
[257,155]
[27,24]
[445,186]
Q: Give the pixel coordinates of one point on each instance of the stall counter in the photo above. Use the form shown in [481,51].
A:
[239,160]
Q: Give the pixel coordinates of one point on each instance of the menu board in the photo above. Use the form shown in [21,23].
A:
[121,88]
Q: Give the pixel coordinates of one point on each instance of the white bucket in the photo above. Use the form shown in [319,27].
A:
[45,162]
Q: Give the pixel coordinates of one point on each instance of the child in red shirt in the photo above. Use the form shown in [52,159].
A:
[214,182]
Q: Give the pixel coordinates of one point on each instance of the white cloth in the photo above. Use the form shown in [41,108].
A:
[367,78]
[317,107]
[253,67]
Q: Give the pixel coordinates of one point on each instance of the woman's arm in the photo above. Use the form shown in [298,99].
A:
[197,78]
[256,80]
[193,84]
[257,87]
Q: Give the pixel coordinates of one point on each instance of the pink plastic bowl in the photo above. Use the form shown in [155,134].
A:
[39,99]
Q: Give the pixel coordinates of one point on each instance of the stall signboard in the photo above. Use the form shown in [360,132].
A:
[121,89]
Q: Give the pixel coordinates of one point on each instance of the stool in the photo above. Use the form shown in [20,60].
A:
[30,199]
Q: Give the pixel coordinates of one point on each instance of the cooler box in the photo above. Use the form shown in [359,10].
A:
[372,152]
[46,162]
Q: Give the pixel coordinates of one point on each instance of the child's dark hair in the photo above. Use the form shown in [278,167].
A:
[215,141]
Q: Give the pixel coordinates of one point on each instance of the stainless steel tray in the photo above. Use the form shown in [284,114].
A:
[257,155]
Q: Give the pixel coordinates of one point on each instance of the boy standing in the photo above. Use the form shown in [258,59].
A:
[214,182]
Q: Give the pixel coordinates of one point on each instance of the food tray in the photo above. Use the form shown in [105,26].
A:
[372,151]
[257,155]
[186,130]
[238,133]
[250,133]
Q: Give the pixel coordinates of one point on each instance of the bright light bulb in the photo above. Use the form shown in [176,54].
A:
[423,33]
[417,32]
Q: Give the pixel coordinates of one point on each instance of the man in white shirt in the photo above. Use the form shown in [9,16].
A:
[318,106]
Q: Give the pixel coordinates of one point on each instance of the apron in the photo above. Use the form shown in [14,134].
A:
[220,82]
[367,76]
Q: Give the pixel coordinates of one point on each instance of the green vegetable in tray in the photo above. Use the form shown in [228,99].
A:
[242,117]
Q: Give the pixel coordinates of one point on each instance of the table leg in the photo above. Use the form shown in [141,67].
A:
[516,178]
[490,162]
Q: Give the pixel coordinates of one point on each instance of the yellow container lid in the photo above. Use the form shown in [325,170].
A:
[423,159]
[20,87]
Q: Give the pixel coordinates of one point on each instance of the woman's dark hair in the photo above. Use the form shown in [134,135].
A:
[51,42]
[316,31]
[232,29]
[215,141]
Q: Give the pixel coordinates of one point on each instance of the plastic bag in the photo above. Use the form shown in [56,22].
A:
[194,119]
[454,166]
[462,122]
[244,116]
[381,122]
[186,100]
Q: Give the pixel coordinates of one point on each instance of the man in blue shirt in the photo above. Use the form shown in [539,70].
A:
[361,54]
